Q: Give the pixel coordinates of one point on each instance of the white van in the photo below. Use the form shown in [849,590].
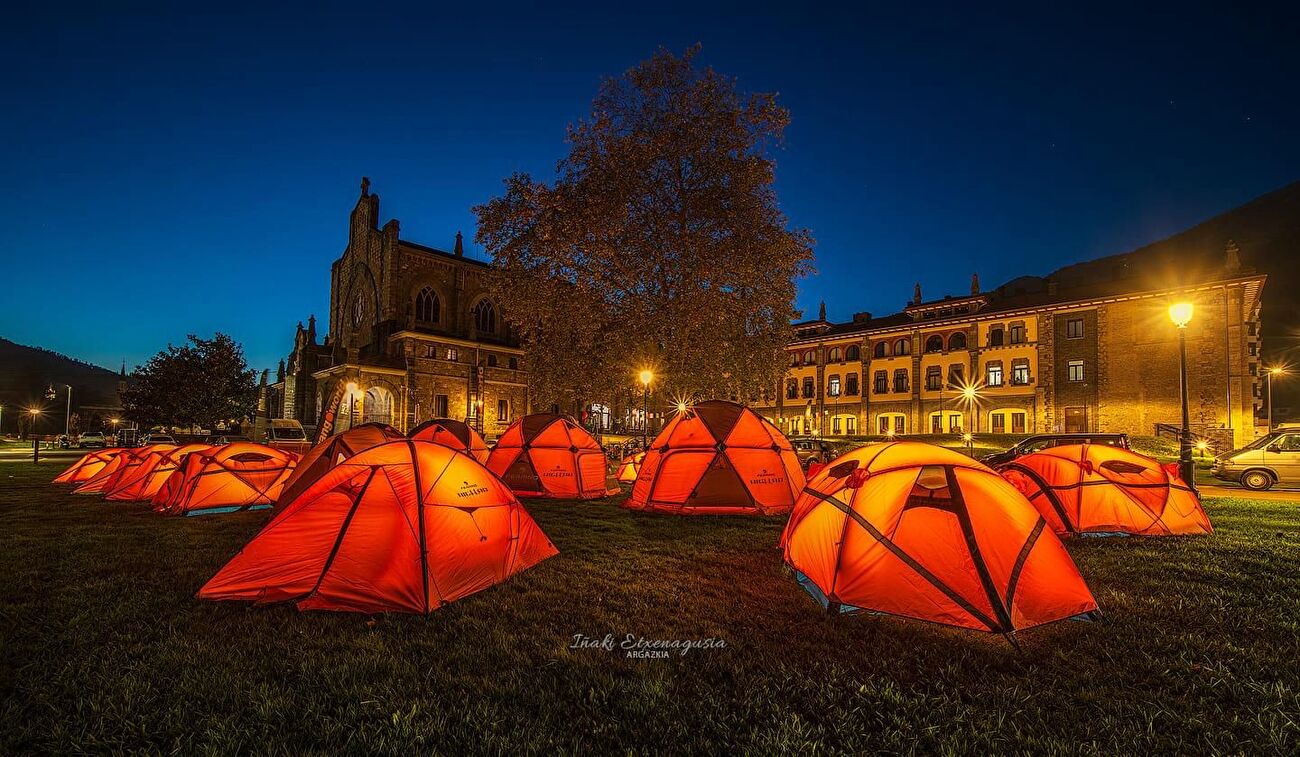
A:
[1269,460]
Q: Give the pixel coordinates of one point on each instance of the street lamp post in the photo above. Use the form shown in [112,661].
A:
[1181,314]
[36,440]
[646,377]
[1274,371]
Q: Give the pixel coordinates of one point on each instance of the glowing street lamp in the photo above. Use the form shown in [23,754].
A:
[1274,371]
[646,377]
[35,413]
[1181,314]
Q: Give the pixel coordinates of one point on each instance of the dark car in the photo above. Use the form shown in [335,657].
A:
[812,450]
[1040,442]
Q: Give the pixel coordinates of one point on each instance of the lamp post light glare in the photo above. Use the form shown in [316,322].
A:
[1181,314]
[646,377]
[1276,370]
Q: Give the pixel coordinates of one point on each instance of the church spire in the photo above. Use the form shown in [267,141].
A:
[916,294]
[460,245]
[974,283]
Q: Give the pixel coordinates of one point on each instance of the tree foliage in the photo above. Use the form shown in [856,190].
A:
[199,383]
[659,244]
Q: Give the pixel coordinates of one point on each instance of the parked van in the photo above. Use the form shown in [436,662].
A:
[287,435]
[1269,460]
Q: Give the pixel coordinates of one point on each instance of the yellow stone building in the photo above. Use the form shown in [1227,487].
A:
[1088,348]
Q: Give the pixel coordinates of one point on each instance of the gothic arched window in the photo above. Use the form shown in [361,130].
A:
[485,317]
[427,307]
[358,309]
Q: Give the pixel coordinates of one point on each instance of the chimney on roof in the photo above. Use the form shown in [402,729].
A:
[974,284]
[861,317]
[460,245]
[916,294]
[1233,254]
[821,311]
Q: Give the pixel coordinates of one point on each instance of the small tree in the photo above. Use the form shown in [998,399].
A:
[660,244]
[198,383]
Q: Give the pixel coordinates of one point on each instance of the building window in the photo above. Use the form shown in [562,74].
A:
[851,384]
[854,352]
[810,357]
[808,389]
[957,342]
[514,363]
[833,386]
[427,309]
[1020,373]
[794,359]
[1017,423]
[956,375]
[453,354]
[485,317]
[503,411]
[358,310]
[835,425]
[891,423]
[933,378]
[995,336]
[1017,333]
[836,356]
[492,361]
[1074,328]
[999,423]
[903,347]
[791,389]
[431,350]
[934,343]
[1074,371]
[440,406]
[900,380]
[881,350]
[850,425]
[994,375]
[882,382]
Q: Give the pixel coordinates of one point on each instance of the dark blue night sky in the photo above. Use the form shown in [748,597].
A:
[170,172]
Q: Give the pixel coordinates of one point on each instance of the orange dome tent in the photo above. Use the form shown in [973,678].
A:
[88,466]
[112,471]
[150,477]
[546,455]
[910,529]
[1100,489]
[629,467]
[718,457]
[142,461]
[331,452]
[455,434]
[226,478]
[405,526]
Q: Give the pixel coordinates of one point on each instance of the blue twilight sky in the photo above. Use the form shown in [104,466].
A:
[171,171]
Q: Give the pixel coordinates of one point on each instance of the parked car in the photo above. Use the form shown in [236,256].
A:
[287,435]
[1040,442]
[1269,460]
[92,439]
[157,439]
[812,450]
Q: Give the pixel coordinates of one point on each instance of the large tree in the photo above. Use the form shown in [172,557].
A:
[198,383]
[660,243]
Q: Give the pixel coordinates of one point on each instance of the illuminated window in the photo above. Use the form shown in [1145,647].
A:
[1020,373]
[427,308]
[810,357]
[1074,371]
[453,354]
[792,389]
[994,375]
[833,386]
[503,411]
[1074,328]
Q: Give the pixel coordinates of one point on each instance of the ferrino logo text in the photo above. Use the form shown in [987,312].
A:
[557,472]
[765,476]
[471,490]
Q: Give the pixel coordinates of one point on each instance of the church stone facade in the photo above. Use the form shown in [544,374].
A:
[413,335]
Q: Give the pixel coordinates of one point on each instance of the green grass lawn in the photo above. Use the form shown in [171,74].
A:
[103,647]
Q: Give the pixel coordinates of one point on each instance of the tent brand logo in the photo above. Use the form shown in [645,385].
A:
[471,490]
[557,472]
[767,477]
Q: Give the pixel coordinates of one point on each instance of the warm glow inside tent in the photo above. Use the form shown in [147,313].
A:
[405,526]
[135,470]
[334,450]
[545,455]
[150,476]
[88,466]
[629,467]
[910,529]
[112,471]
[230,477]
[1100,489]
[718,457]
[455,434]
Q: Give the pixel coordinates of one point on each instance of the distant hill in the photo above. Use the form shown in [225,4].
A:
[1267,232]
[26,373]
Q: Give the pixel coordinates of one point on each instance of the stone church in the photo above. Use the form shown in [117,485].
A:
[413,335]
